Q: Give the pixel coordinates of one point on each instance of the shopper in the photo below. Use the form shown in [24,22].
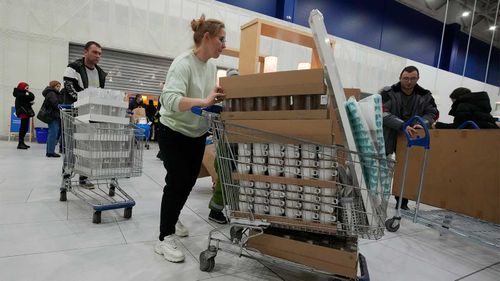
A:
[191,81]
[24,111]
[136,102]
[402,101]
[469,106]
[81,74]
[216,204]
[150,114]
[50,109]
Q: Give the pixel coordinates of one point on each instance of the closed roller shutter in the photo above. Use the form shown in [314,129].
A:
[129,72]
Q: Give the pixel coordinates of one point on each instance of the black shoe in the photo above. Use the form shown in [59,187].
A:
[26,145]
[403,207]
[55,155]
[22,146]
[217,217]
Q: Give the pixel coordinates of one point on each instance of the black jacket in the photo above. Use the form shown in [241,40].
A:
[75,80]
[51,102]
[424,106]
[471,107]
[23,101]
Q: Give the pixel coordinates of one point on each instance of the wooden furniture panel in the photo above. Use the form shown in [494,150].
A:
[462,175]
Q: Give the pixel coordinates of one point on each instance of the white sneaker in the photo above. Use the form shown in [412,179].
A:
[169,249]
[180,229]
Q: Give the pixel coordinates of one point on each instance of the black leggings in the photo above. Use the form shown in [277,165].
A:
[182,158]
[23,129]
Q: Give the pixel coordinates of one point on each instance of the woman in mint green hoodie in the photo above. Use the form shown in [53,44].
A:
[191,81]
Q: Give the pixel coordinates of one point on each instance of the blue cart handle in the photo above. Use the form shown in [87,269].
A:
[471,123]
[65,106]
[213,109]
[417,141]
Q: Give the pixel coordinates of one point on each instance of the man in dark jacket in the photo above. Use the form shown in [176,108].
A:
[468,106]
[81,74]
[402,101]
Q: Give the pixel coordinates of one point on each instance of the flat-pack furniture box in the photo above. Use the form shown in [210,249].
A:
[462,175]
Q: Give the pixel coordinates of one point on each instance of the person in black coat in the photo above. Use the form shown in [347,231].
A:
[24,110]
[469,106]
[51,106]
[150,113]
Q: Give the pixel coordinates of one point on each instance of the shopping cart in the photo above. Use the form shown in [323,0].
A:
[278,184]
[102,152]
[440,219]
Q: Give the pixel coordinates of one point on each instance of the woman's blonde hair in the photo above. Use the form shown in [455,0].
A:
[53,84]
[201,26]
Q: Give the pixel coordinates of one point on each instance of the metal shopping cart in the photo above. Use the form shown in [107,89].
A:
[102,152]
[441,219]
[274,184]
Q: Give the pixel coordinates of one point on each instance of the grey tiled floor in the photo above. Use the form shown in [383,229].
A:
[44,239]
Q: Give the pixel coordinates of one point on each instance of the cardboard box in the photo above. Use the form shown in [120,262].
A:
[283,83]
[462,175]
[337,261]
[207,164]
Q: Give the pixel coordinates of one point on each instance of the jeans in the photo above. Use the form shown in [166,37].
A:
[53,137]
[182,158]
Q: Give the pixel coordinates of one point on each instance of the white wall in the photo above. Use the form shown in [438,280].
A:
[34,39]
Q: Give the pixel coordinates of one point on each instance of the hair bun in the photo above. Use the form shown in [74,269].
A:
[195,24]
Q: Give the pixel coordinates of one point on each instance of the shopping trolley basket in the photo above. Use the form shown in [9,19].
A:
[274,182]
[102,152]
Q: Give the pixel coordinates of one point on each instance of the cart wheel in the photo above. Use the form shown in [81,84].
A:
[207,263]
[97,217]
[392,225]
[127,213]
[111,192]
[235,233]
[62,196]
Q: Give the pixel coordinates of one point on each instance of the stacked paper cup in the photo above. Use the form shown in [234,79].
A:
[306,161]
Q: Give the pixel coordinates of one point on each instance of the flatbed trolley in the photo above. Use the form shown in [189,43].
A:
[104,153]
[441,219]
[268,185]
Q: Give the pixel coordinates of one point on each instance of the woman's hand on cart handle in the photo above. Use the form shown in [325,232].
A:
[410,130]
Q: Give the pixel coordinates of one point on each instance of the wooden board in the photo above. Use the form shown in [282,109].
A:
[285,180]
[339,262]
[276,115]
[462,175]
[283,83]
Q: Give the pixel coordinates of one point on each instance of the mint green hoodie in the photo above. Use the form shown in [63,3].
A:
[188,77]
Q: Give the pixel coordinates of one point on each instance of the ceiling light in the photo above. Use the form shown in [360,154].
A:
[493,27]
[465,14]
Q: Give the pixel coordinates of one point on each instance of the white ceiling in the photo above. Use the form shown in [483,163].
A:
[486,11]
